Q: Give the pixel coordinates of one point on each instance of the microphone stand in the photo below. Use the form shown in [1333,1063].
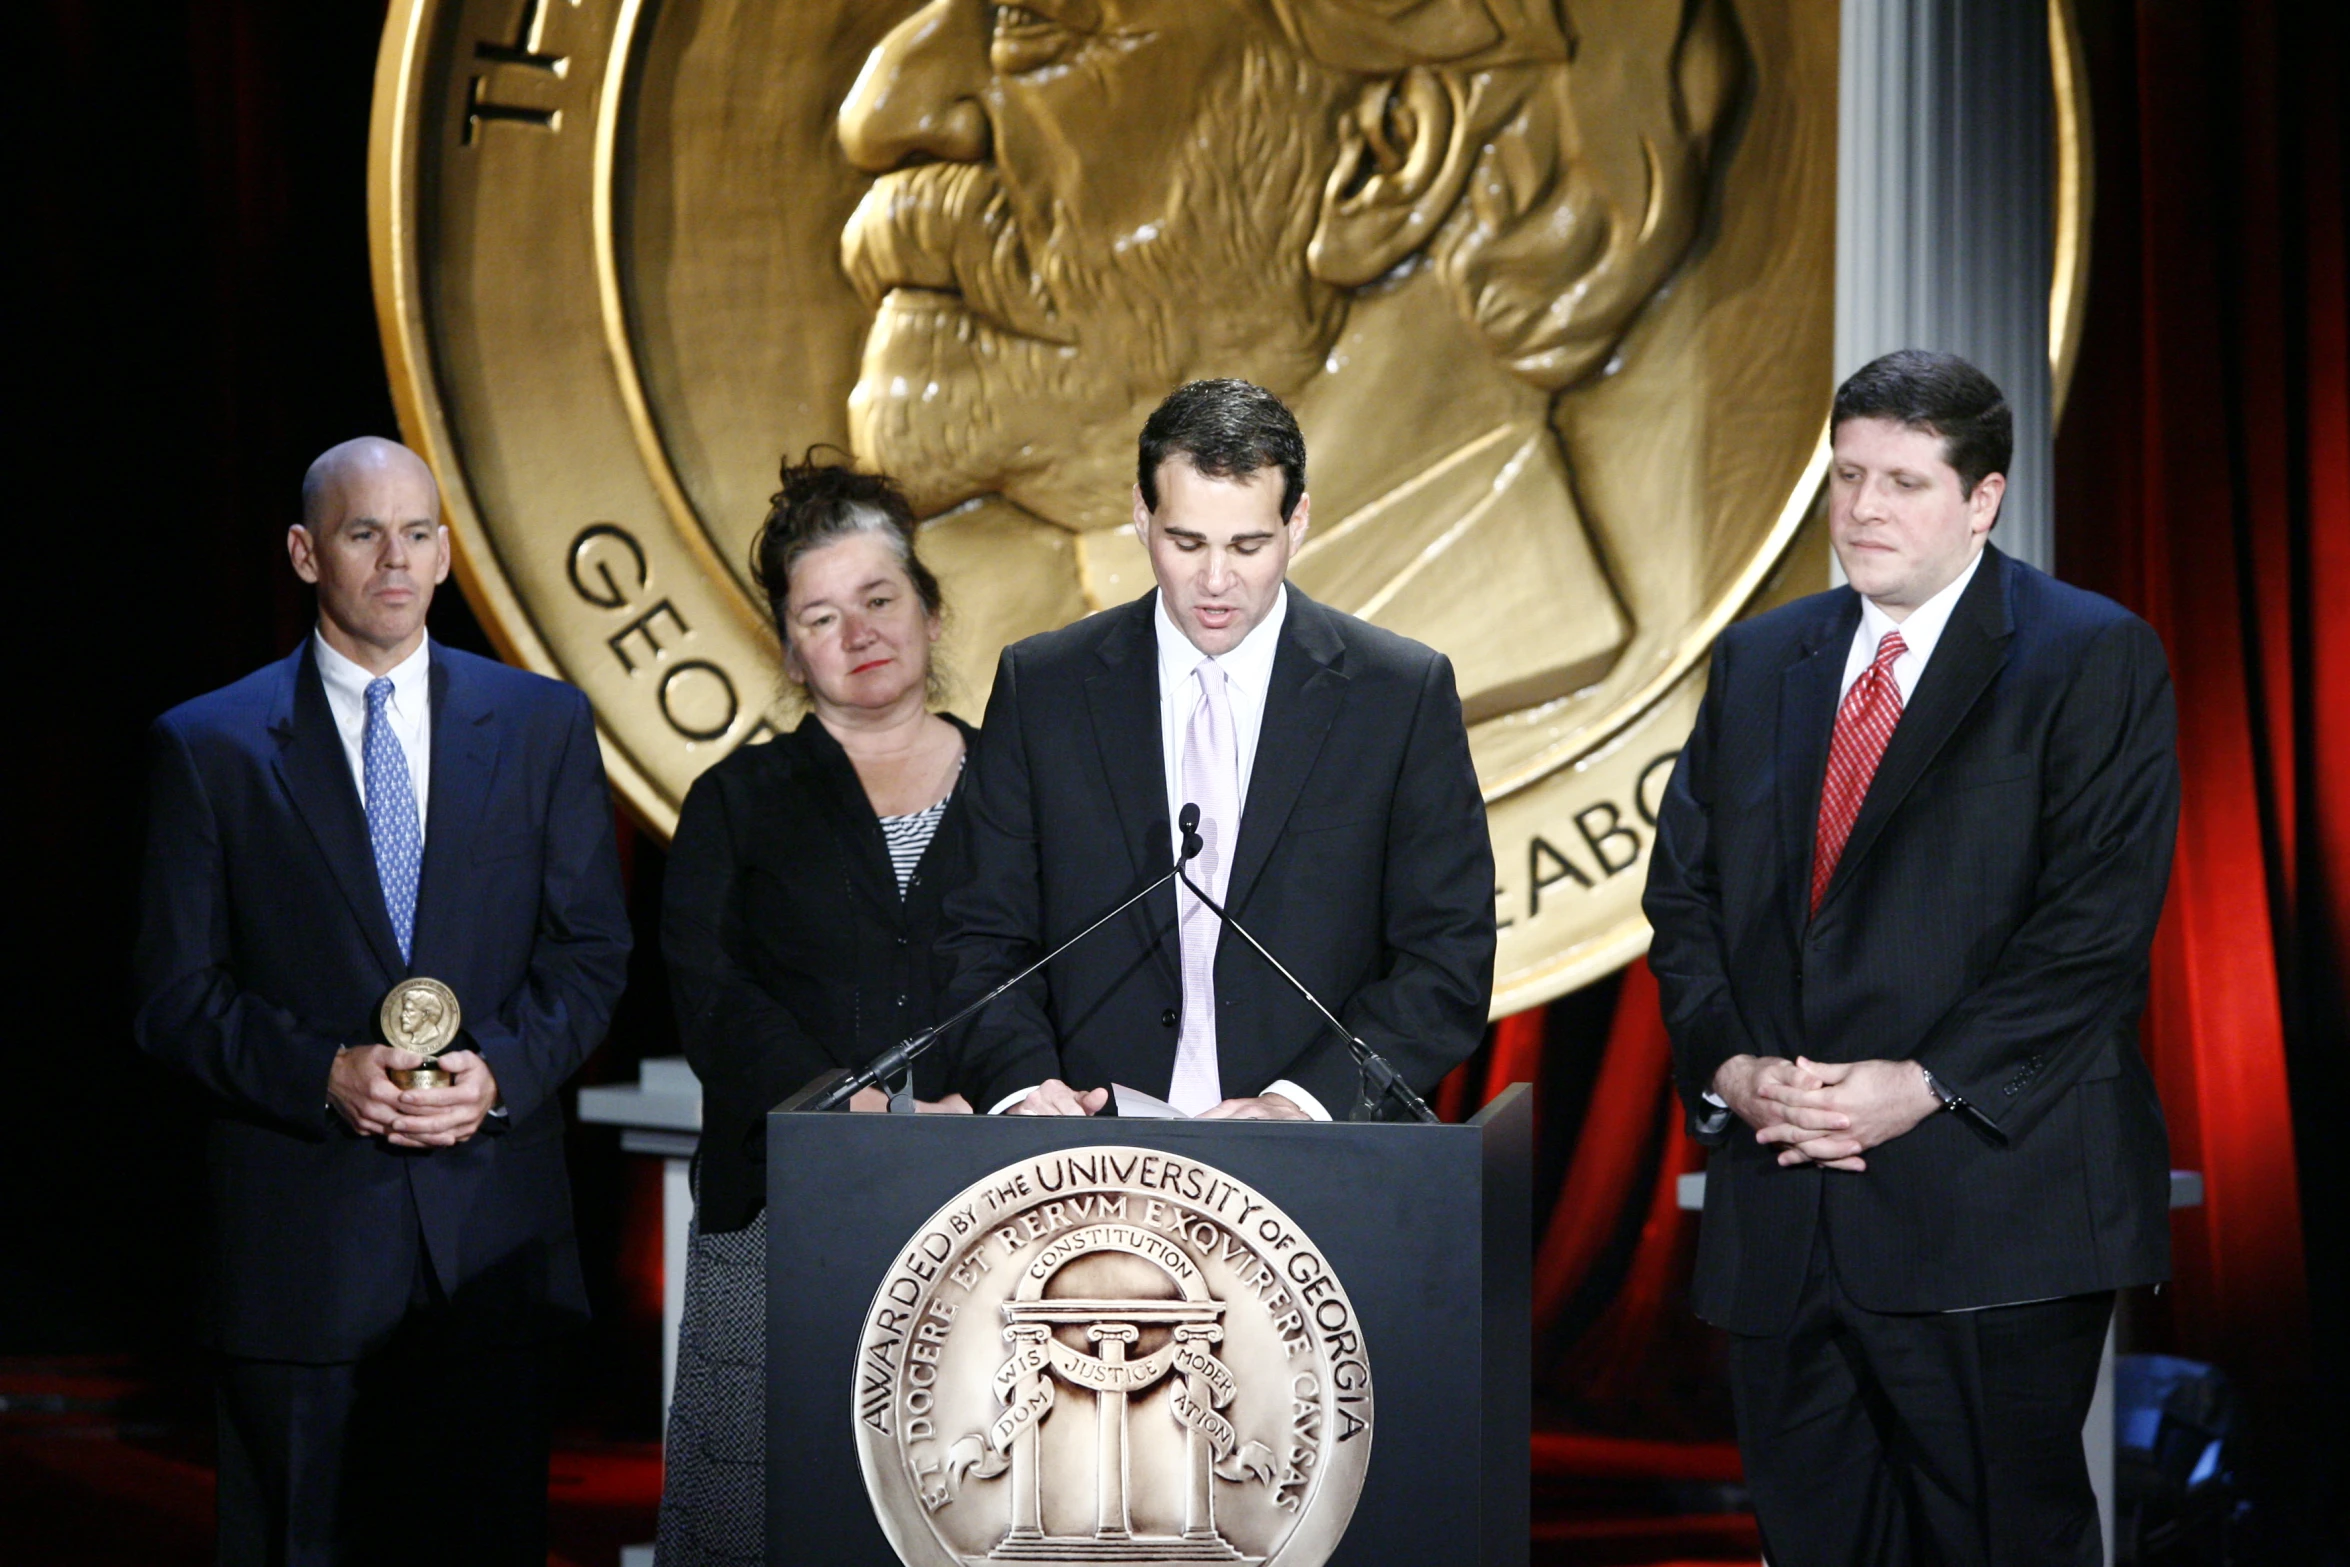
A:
[1383,1078]
[898,1057]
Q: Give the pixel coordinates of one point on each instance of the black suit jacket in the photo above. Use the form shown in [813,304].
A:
[789,948]
[264,946]
[1990,918]
[1363,863]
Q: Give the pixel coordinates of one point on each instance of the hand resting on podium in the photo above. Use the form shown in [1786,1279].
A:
[874,1101]
[1054,1097]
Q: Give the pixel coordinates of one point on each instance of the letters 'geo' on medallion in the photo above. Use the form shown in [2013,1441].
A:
[1112,1354]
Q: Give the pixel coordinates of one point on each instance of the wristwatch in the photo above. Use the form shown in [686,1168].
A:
[1950,1101]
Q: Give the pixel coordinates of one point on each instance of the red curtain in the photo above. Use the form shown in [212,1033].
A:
[2203,478]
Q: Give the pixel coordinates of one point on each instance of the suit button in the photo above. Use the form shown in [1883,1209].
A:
[901,941]
[901,999]
[1167,1018]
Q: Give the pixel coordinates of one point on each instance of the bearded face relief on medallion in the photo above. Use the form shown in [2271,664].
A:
[1112,1354]
[1549,284]
[1417,225]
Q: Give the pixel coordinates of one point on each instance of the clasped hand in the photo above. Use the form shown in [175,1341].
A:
[361,1089]
[1825,1112]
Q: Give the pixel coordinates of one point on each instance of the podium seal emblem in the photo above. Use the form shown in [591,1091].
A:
[1112,1354]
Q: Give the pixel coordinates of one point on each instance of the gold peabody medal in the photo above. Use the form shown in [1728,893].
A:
[1112,1355]
[1554,310]
[421,1016]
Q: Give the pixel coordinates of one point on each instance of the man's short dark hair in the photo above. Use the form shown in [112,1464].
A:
[1940,394]
[1228,430]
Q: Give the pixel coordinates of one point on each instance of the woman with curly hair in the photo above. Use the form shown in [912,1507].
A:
[800,904]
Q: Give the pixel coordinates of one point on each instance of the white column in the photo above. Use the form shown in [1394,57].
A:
[1027,1485]
[1199,1496]
[1944,202]
[1111,1520]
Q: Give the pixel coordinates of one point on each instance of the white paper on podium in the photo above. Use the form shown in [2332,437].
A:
[1135,1105]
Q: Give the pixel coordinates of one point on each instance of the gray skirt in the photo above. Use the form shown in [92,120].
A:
[713,1491]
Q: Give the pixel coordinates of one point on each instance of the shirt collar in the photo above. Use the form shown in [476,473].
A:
[1924,626]
[346,678]
[1249,665]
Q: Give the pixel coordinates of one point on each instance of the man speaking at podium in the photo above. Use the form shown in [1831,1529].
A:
[1339,817]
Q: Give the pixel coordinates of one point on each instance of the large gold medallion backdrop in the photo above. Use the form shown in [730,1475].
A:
[1549,287]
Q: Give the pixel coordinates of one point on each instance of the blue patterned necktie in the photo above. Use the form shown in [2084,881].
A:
[391,814]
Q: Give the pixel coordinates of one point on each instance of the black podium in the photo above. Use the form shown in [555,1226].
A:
[1183,1327]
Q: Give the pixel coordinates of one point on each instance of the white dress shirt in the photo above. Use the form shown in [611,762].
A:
[1919,634]
[1248,672]
[410,712]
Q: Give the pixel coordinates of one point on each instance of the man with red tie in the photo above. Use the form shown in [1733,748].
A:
[1906,876]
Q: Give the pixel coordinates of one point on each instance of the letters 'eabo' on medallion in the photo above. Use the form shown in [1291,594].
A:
[1549,286]
[1112,1355]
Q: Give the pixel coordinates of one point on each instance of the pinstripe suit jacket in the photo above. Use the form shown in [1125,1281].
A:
[1990,917]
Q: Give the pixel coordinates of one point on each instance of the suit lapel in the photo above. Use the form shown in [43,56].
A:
[1301,700]
[1972,649]
[1808,693]
[1123,697]
[464,767]
[316,774]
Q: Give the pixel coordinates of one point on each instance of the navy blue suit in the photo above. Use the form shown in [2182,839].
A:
[264,946]
[1989,918]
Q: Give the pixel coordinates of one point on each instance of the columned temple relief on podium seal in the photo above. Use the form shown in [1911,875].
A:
[1112,1355]
[1549,284]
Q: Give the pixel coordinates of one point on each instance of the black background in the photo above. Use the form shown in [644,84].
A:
[194,322]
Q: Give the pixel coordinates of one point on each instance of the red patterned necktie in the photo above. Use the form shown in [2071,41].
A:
[1864,726]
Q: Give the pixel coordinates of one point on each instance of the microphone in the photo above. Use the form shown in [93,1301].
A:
[1376,1070]
[898,1057]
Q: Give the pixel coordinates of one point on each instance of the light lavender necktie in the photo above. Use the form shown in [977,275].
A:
[1210,776]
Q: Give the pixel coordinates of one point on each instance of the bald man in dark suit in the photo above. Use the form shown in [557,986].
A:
[387,1264]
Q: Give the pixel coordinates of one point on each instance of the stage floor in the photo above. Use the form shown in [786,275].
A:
[101,1466]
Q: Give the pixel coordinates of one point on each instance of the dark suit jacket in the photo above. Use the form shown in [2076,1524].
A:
[1363,863]
[789,948]
[264,946]
[1990,918]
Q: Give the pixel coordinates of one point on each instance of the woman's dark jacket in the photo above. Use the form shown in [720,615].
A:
[789,949]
